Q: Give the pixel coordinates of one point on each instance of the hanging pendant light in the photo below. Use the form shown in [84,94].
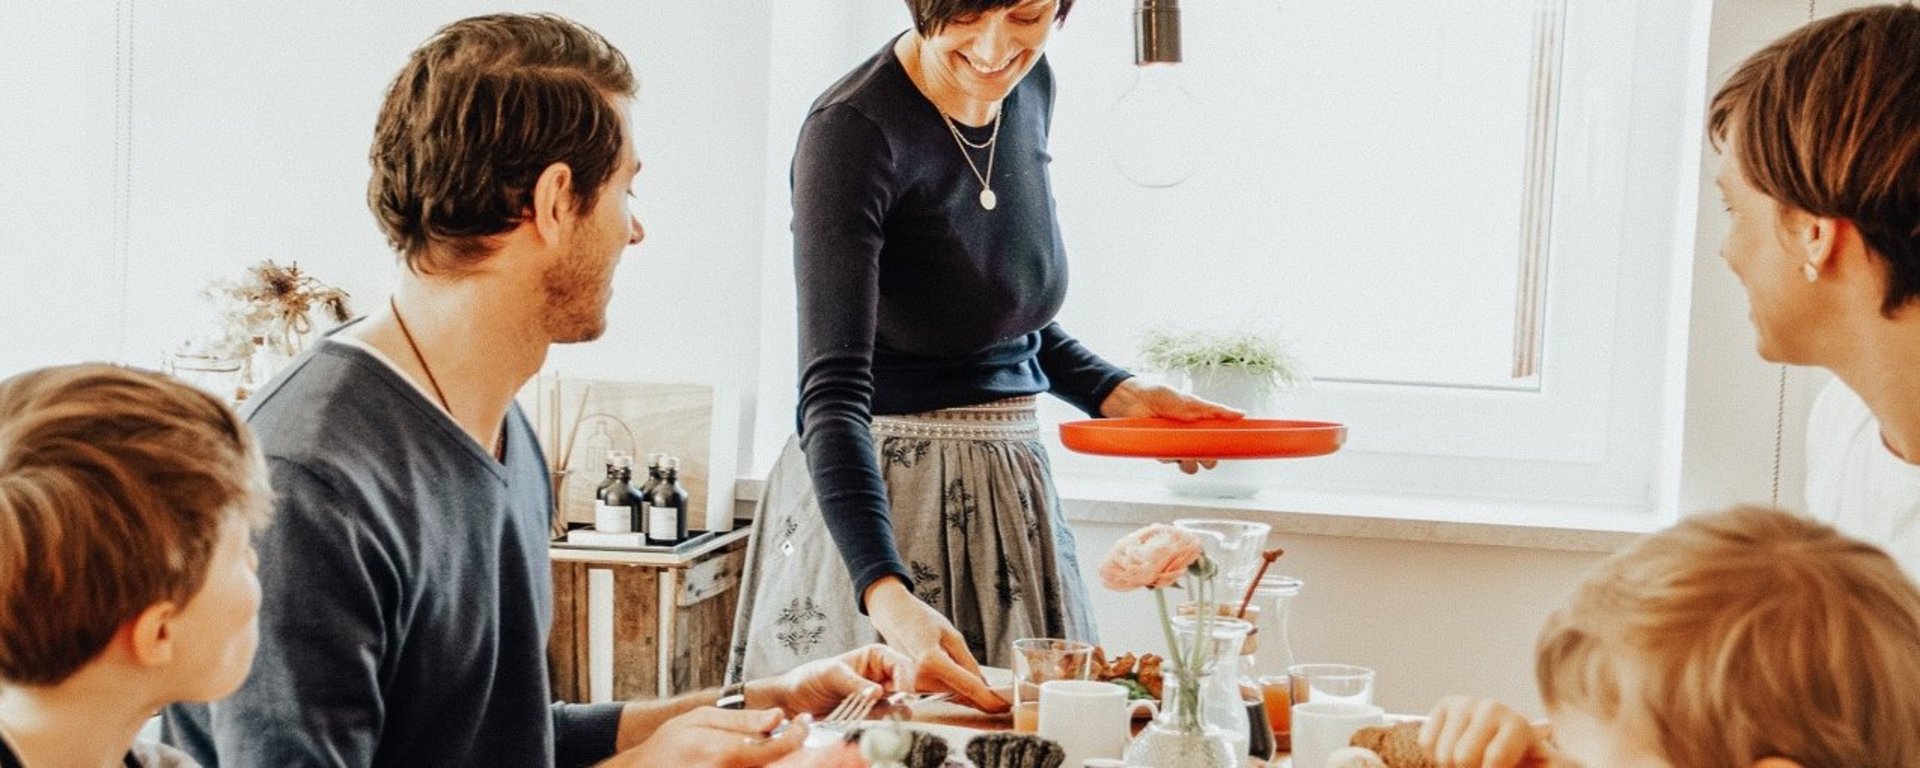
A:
[1154,130]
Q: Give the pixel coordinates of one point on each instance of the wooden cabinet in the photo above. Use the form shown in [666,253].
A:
[672,622]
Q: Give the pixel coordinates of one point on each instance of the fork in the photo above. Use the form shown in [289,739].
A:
[855,708]
[852,709]
[910,700]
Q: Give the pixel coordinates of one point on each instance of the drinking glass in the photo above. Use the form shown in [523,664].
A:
[1331,682]
[1037,660]
[1237,551]
[220,376]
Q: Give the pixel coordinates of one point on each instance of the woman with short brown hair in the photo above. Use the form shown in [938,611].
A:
[1821,177]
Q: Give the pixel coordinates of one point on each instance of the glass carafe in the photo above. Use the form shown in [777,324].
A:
[1269,652]
[1193,729]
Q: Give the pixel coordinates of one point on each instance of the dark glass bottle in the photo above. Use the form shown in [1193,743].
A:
[600,491]
[653,474]
[667,506]
[621,494]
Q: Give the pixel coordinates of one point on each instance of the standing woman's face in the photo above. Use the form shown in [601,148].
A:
[984,56]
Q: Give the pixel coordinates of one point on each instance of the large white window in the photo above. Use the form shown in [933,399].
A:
[1463,213]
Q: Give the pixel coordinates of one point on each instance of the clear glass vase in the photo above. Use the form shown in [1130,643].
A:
[1180,737]
[1196,724]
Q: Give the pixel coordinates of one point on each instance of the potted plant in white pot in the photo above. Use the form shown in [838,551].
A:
[1244,368]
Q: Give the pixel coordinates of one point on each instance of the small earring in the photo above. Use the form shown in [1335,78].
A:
[1811,272]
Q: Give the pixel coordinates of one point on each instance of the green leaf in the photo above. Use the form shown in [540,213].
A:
[1242,350]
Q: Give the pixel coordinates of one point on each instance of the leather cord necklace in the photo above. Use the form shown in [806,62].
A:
[500,441]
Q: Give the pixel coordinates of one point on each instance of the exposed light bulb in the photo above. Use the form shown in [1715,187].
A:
[1154,130]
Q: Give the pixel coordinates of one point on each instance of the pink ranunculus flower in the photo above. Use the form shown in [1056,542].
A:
[1152,557]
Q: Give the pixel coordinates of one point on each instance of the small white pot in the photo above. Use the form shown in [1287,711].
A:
[1249,393]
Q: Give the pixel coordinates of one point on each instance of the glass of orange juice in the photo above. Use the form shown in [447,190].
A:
[1026,716]
[1277,692]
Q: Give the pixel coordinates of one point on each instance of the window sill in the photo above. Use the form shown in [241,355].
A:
[1562,526]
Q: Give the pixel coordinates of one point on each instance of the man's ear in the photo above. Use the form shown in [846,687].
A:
[149,637]
[553,203]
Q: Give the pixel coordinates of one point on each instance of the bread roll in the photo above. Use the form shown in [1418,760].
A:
[1398,745]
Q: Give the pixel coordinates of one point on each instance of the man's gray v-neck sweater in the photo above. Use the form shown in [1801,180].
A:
[406,589]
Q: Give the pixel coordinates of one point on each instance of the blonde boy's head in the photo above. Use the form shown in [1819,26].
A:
[116,486]
[1744,635]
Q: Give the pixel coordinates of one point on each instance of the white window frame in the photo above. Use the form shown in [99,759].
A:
[1589,429]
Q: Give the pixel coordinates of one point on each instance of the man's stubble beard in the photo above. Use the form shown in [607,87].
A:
[576,291]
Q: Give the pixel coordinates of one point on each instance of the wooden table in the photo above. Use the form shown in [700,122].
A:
[672,618]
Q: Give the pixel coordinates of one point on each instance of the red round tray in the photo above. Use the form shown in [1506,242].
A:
[1210,439]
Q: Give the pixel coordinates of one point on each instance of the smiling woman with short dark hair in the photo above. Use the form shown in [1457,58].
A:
[930,266]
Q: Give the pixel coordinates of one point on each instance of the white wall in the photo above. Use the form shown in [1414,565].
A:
[250,126]
[1430,619]
[60,282]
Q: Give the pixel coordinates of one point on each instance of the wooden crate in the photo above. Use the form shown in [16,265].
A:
[672,620]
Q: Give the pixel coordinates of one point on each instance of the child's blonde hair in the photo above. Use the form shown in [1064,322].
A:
[1751,633]
[114,486]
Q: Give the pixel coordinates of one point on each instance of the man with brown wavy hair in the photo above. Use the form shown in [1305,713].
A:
[1821,178]
[126,576]
[407,584]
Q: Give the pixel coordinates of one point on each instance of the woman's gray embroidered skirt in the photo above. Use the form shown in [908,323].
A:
[977,521]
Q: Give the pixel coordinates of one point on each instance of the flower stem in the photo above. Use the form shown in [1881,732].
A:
[1166,625]
[1202,629]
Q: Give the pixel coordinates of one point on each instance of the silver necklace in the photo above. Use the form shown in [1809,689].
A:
[987,199]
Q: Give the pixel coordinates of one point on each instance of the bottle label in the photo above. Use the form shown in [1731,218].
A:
[663,523]
[612,519]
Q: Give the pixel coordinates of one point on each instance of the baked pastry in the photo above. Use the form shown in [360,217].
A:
[1141,675]
[1397,745]
[1354,757]
[1014,750]
[1149,674]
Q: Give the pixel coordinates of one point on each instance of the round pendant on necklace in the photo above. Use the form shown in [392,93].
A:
[988,199]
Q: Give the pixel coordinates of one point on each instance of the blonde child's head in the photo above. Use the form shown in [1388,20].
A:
[127,501]
[1733,638]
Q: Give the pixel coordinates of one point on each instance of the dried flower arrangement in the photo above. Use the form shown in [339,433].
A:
[270,307]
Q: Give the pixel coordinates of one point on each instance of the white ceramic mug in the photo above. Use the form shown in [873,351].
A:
[1320,727]
[1087,718]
